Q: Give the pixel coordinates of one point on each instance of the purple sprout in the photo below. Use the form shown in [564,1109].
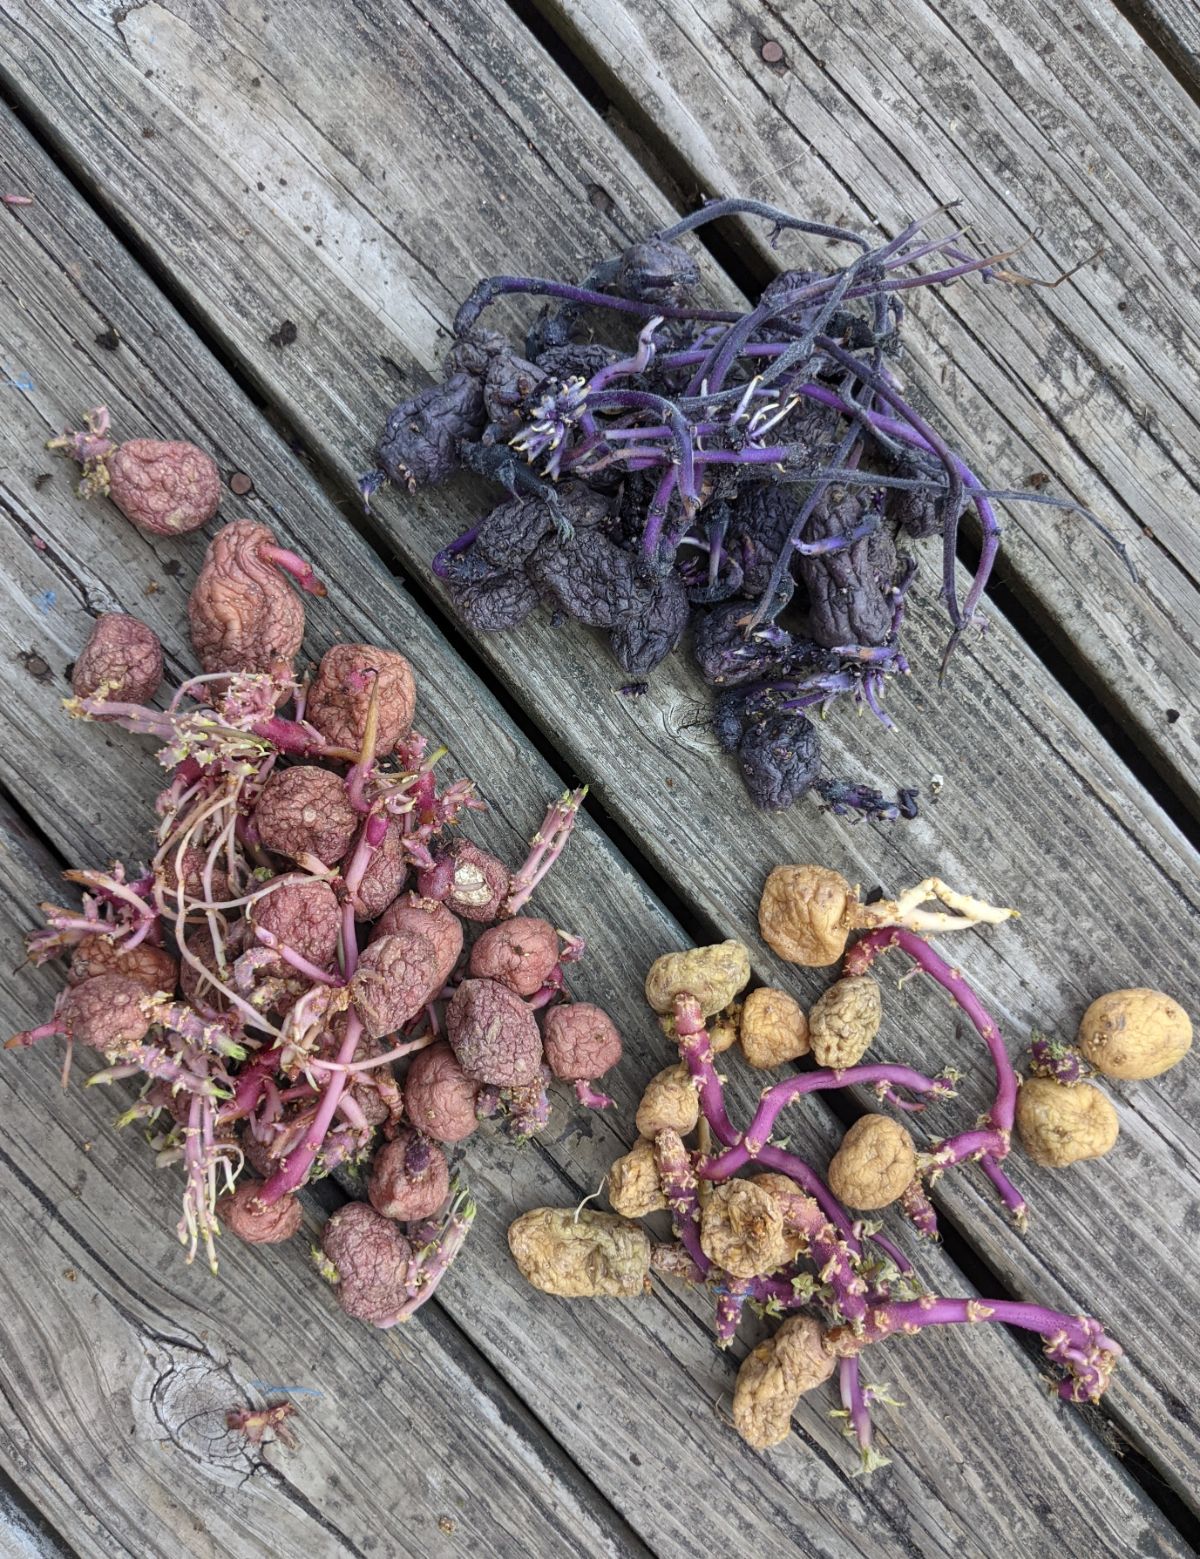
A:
[864,1286]
[989,1144]
[1054,1058]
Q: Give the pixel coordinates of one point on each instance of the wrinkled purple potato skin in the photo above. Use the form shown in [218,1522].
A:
[306,916]
[521,953]
[582,1041]
[194,861]
[428,918]
[420,444]
[779,757]
[508,535]
[372,1259]
[244,615]
[166,487]
[657,271]
[306,809]
[399,1193]
[495,603]
[124,656]
[849,591]
[104,1012]
[439,1098]
[644,637]
[480,885]
[493,1034]
[339,710]
[395,978]
[153,968]
[587,577]
[257,1153]
[385,876]
[244,1215]
[193,986]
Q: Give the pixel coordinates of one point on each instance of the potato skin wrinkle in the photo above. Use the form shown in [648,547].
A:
[1060,1124]
[581,1255]
[876,1161]
[1135,1034]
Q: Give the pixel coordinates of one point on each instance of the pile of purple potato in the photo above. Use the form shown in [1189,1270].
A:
[305,922]
[754,474]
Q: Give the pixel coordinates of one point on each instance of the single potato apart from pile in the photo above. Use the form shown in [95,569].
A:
[1135,1033]
[773,1029]
[1063,1123]
[581,1254]
[806,914]
[876,1161]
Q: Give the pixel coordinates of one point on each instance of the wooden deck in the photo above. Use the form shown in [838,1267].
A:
[203,172]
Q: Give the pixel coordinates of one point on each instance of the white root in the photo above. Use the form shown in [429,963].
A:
[906,911]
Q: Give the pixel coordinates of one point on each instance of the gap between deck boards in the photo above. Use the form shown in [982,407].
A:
[541,742]
[633,853]
[669,168]
[1172,29]
[1039,617]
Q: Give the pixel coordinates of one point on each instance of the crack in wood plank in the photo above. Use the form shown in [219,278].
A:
[674,828]
[1091,383]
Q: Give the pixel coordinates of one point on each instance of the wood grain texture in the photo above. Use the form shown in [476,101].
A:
[1054,121]
[640,1424]
[1032,808]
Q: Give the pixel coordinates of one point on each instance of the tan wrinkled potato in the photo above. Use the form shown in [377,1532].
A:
[773,1029]
[876,1161]
[634,1188]
[741,1228]
[844,1021]
[1060,1123]
[785,1191]
[713,975]
[775,1376]
[1135,1033]
[581,1254]
[670,1103]
[806,913]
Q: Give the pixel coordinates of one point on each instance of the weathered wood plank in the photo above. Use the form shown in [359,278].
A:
[649,1368]
[1027,779]
[119,1364]
[1090,384]
[1057,122]
[1174,25]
